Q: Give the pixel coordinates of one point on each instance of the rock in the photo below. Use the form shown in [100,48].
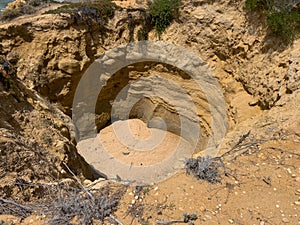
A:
[98,184]
[15,4]
[87,182]
[65,132]
[208,217]
[70,66]
[69,182]
[285,220]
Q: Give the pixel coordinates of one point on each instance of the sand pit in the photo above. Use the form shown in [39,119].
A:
[132,151]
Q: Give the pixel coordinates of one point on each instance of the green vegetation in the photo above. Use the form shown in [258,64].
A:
[105,8]
[142,35]
[284,23]
[146,190]
[96,12]
[29,7]
[282,16]
[163,12]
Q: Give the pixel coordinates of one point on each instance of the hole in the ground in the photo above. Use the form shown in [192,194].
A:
[144,113]
[137,80]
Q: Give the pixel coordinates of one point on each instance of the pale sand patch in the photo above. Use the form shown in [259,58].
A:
[136,144]
[144,155]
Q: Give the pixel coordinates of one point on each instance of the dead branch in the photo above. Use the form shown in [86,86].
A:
[115,219]
[2,200]
[169,222]
[78,181]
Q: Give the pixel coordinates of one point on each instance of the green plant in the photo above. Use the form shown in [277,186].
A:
[282,18]
[8,14]
[98,11]
[284,23]
[254,4]
[163,12]
[146,190]
[142,35]
[27,7]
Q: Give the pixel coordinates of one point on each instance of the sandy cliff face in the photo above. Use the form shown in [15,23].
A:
[35,140]
[259,76]
[255,70]
[52,53]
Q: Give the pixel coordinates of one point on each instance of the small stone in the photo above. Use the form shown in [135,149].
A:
[277,206]
[230,221]
[294,175]
[68,181]
[156,188]
[289,170]
[285,220]
[261,223]
[132,202]
[136,197]
[208,217]
[297,202]
[70,66]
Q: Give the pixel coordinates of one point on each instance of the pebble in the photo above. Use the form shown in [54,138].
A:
[285,220]
[261,223]
[156,188]
[87,182]
[297,202]
[293,175]
[133,202]
[208,217]
[289,170]
[230,221]
[277,206]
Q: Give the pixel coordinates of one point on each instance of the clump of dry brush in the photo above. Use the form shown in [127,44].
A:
[205,168]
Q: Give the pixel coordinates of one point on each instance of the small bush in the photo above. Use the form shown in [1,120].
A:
[97,11]
[8,14]
[28,7]
[163,12]
[282,18]
[142,35]
[255,4]
[205,168]
[283,23]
